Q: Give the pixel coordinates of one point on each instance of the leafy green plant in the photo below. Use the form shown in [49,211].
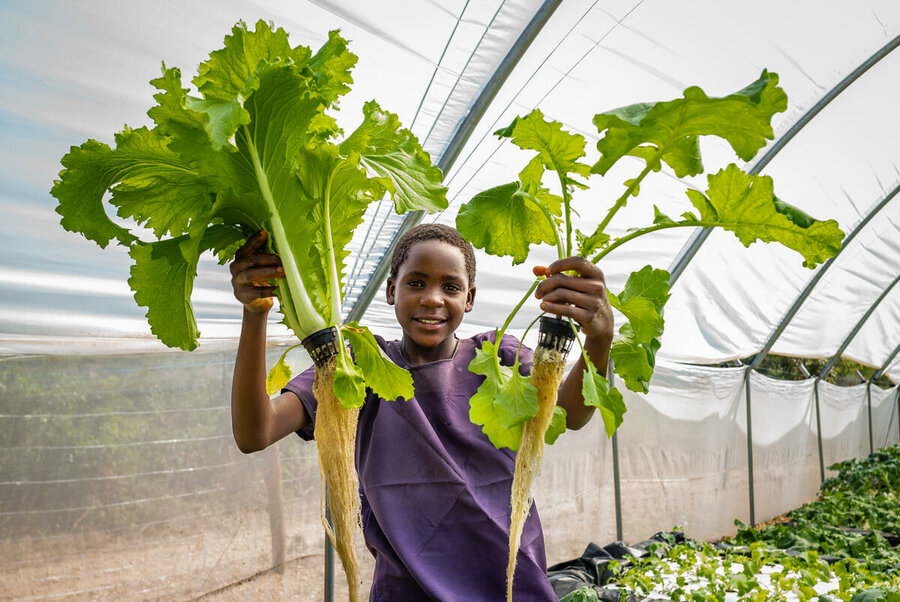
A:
[848,519]
[509,219]
[258,148]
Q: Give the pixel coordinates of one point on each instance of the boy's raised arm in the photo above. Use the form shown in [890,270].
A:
[257,421]
[582,298]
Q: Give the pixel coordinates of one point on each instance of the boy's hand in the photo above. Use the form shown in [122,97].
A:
[251,272]
[582,298]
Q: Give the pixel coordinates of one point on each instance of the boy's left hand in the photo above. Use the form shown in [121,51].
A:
[582,298]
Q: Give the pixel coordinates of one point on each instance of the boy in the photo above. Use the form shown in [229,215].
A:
[435,492]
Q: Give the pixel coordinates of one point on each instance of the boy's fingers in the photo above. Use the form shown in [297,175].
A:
[591,286]
[564,296]
[580,315]
[257,260]
[257,276]
[253,244]
[585,268]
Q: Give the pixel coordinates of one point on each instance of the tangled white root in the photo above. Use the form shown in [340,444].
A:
[335,434]
[546,374]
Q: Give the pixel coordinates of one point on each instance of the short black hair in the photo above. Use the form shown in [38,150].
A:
[425,232]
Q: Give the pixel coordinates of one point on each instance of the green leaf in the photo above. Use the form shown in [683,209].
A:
[504,400]
[516,398]
[279,375]
[532,176]
[89,171]
[588,244]
[557,425]
[875,594]
[507,132]
[668,131]
[646,322]
[483,413]
[634,361]
[504,222]
[331,65]
[596,392]
[582,594]
[393,156]
[196,126]
[223,240]
[642,302]
[155,187]
[745,205]
[660,217]
[169,309]
[234,70]
[349,384]
[558,150]
[386,379]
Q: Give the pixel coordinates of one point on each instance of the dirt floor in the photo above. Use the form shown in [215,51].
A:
[218,565]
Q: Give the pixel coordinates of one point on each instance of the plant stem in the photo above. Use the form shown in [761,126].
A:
[333,278]
[522,340]
[567,203]
[307,320]
[628,192]
[509,319]
[621,241]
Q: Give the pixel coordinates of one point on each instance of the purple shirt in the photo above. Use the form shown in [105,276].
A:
[435,491]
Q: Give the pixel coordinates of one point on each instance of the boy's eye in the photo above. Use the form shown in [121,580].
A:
[452,288]
[415,283]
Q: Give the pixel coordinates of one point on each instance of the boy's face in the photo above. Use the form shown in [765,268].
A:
[430,295]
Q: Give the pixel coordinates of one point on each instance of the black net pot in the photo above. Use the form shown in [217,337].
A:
[322,345]
[556,334]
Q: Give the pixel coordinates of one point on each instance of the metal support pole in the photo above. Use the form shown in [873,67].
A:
[869,403]
[819,434]
[617,485]
[329,556]
[617,481]
[887,430]
[898,411]
[750,447]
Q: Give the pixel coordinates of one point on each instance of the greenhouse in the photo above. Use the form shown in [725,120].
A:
[120,476]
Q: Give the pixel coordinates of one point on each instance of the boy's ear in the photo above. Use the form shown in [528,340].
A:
[390,289]
[470,299]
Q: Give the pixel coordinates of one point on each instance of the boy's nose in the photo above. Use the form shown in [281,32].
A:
[432,299]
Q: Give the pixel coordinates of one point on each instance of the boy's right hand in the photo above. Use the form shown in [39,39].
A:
[251,272]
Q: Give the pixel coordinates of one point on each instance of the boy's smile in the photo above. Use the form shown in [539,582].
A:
[430,295]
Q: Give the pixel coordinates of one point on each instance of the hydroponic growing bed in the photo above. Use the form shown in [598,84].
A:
[842,546]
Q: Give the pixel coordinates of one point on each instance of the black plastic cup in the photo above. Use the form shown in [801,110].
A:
[556,334]
[322,345]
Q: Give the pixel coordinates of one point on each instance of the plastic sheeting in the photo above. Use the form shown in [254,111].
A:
[119,478]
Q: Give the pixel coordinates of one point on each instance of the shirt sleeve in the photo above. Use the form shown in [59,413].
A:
[302,386]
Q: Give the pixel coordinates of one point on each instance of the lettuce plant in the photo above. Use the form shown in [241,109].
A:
[256,147]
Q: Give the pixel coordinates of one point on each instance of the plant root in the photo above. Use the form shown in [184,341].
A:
[335,434]
[546,374]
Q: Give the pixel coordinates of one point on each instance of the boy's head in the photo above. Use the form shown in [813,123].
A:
[438,232]
[431,286]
